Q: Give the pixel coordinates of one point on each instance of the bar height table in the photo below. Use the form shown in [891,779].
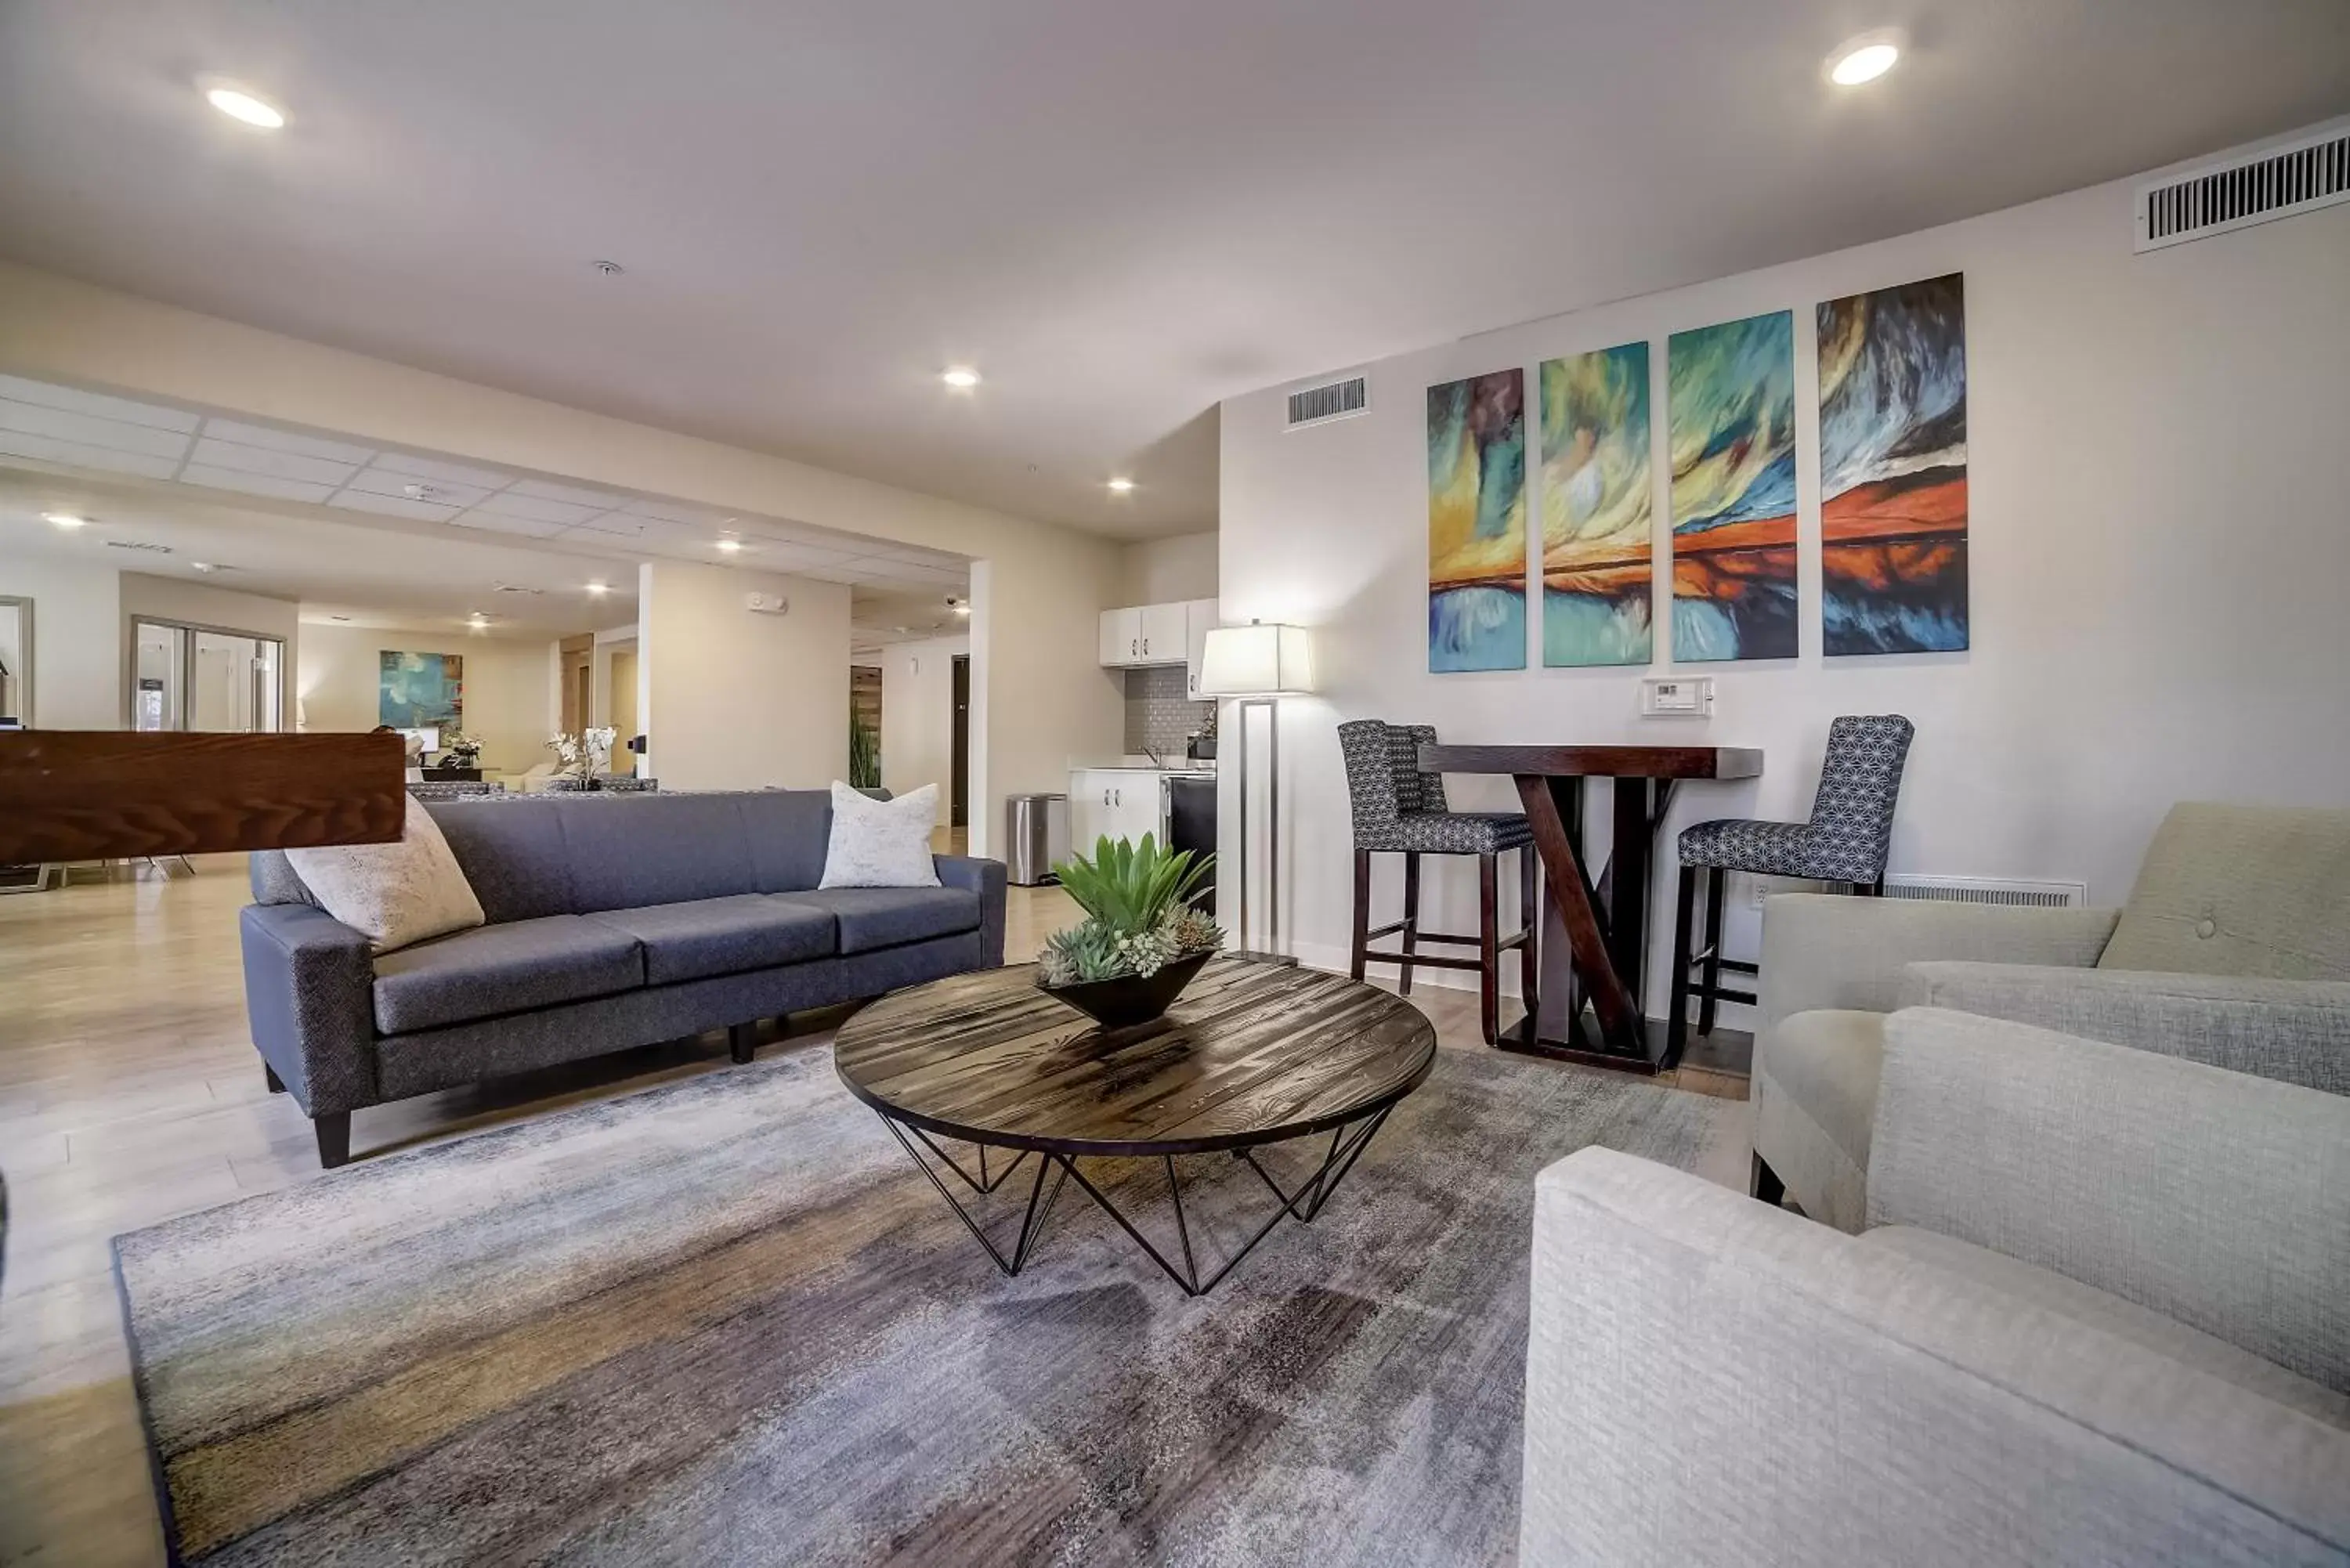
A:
[1594,933]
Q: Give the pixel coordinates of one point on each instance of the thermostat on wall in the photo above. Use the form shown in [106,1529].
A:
[766,604]
[1677,697]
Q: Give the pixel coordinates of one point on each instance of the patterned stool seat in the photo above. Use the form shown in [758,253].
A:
[1449,833]
[1774,849]
[1851,826]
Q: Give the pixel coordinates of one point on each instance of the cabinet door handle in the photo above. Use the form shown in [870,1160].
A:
[1133,646]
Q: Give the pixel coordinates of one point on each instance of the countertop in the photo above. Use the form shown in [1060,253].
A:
[1180,770]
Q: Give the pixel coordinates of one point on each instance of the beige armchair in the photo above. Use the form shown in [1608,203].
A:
[2233,949]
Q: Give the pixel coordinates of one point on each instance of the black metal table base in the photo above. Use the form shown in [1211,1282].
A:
[1054,1171]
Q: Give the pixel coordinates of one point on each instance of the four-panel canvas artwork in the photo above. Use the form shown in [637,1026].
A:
[1892,456]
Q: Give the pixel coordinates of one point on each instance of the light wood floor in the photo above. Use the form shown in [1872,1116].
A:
[130,1092]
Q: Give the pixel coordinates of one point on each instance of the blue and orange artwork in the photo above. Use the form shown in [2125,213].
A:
[1893,470]
[1598,509]
[420,691]
[1730,413]
[1477,524]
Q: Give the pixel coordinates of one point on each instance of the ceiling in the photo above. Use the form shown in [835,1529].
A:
[381,535]
[1120,213]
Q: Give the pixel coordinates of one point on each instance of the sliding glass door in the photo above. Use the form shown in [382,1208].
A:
[192,678]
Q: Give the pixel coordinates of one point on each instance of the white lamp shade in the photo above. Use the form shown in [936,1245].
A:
[1256,661]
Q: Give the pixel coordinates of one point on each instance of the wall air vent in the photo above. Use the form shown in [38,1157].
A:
[2024,893]
[1332,401]
[2300,177]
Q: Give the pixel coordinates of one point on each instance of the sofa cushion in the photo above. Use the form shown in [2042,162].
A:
[511,967]
[2263,891]
[789,830]
[634,851]
[873,918]
[706,937]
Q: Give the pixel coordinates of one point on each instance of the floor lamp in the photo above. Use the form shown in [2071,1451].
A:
[1259,664]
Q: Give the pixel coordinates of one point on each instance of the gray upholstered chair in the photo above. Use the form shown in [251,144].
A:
[2234,949]
[1400,810]
[2100,1313]
[1845,839]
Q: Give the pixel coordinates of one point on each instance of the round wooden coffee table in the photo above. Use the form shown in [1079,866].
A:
[1252,1053]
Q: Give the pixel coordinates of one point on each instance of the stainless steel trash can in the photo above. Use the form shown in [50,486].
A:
[1035,838]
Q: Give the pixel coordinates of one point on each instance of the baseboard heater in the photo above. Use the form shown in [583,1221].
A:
[2017,892]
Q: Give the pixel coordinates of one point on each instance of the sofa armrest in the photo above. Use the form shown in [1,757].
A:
[1822,950]
[2214,1197]
[1714,1381]
[310,984]
[985,877]
[2295,1031]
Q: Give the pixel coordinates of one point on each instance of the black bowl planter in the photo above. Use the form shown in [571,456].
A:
[1131,999]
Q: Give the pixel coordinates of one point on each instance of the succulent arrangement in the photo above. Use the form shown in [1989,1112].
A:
[1139,915]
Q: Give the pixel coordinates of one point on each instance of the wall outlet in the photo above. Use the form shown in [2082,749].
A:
[1677,697]
[766,604]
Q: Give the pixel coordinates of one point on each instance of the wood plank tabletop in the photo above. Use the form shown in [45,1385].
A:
[1596,762]
[1251,1053]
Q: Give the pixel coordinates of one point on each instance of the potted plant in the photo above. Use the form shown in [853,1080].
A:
[460,750]
[1142,938]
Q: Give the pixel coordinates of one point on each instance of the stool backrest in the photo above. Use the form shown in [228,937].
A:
[1383,777]
[1860,780]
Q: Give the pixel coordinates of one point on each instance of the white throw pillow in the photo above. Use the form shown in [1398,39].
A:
[396,893]
[881,843]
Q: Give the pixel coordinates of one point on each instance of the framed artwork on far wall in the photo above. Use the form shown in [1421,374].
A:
[1596,509]
[1730,420]
[1893,470]
[420,691]
[1477,524]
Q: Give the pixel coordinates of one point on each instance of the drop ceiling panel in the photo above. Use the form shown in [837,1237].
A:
[392,506]
[89,429]
[536,509]
[75,454]
[602,500]
[492,523]
[99,405]
[446,495]
[238,458]
[271,439]
[435,470]
[253,483]
[679,513]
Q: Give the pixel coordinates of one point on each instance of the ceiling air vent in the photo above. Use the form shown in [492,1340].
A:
[138,544]
[1334,400]
[2299,178]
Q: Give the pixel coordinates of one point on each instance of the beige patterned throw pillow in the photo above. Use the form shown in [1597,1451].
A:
[397,894]
[881,843]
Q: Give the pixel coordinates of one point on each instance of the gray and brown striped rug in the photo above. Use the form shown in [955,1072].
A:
[726,1321]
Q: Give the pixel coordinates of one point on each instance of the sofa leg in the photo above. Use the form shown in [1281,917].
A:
[276,1083]
[742,1040]
[334,1131]
[1765,1183]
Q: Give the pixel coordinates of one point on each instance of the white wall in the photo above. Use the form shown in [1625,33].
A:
[1052,583]
[77,646]
[151,597]
[339,682]
[2159,551]
[918,715]
[733,699]
[1162,571]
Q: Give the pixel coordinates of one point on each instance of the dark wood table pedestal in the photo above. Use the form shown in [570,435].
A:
[1594,933]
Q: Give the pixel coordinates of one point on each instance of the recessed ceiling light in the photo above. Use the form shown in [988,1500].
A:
[1864,58]
[67,520]
[1122,484]
[962,378]
[730,545]
[240,105]
[201,566]
[600,587]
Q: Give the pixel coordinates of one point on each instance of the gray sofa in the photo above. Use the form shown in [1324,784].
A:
[2233,949]
[613,922]
[2100,1313]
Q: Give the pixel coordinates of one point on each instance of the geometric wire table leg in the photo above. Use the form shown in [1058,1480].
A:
[1032,1223]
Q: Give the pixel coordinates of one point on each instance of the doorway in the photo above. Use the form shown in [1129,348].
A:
[195,678]
[959,791]
[579,686]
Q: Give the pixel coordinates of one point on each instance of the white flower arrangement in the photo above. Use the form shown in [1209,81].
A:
[587,754]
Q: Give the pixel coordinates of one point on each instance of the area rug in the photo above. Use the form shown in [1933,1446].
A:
[727,1321]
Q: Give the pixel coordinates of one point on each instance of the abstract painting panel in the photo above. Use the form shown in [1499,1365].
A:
[1477,524]
[1598,509]
[420,691]
[1731,395]
[1893,470]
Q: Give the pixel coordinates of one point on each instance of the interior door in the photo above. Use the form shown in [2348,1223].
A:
[959,789]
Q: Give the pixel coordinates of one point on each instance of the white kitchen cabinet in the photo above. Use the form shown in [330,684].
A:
[1165,633]
[1199,619]
[1122,637]
[1117,802]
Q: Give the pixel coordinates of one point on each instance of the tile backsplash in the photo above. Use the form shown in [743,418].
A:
[1158,716]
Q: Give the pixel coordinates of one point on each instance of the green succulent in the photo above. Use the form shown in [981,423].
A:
[1085,952]
[1195,931]
[1134,888]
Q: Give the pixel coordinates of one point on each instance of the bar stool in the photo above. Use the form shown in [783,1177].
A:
[1400,810]
[1847,840]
